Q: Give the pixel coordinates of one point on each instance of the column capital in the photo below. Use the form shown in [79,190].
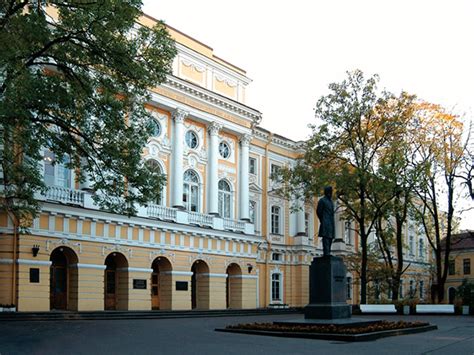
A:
[179,115]
[214,128]
[245,139]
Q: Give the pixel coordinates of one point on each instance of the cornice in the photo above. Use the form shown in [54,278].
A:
[213,99]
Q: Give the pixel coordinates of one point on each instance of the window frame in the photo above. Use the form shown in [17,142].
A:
[276,287]
[192,133]
[223,143]
[275,220]
[466,265]
[188,191]
[57,167]
[223,197]
[254,165]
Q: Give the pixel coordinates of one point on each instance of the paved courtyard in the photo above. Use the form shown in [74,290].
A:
[455,336]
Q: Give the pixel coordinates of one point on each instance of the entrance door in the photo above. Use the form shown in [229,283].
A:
[193,291]
[58,287]
[110,290]
[155,290]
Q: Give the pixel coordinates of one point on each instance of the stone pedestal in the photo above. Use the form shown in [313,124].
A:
[327,292]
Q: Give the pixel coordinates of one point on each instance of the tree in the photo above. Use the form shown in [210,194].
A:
[399,170]
[440,189]
[344,151]
[74,80]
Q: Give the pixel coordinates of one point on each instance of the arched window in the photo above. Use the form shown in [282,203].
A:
[155,168]
[56,173]
[276,220]
[191,191]
[225,198]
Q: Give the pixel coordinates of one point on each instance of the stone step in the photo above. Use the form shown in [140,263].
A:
[108,315]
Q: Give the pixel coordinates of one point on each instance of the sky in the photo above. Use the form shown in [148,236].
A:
[292,50]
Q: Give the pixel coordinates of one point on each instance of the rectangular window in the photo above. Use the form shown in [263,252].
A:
[452,267]
[347,232]
[275,219]
[412,288]
[276,257]
[411,245]
[466,266]
[422,289]
[276,281]
[253,166]
[274,169]
[349,288]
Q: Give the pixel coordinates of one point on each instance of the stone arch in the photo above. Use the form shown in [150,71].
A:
[116,282]
[161,283]
[200,285]
[64,279]
[234,286]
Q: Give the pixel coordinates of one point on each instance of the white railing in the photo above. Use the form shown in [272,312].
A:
[65,195]
[200,219]
[234,224]
[161,212]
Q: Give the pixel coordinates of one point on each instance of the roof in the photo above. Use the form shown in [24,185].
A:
[461,241]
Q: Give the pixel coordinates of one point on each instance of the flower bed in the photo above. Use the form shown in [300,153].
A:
[328,329]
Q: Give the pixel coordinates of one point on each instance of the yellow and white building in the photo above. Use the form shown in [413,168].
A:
[219,237]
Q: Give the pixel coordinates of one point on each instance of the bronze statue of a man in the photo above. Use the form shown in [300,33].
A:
[325,212]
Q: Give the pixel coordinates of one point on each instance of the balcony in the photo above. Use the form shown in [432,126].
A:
[65,195]
[200,219]
[161,212]
[234,225]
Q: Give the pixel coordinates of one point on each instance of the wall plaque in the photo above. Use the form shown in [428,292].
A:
[139,284]
[34,275]
[181,285]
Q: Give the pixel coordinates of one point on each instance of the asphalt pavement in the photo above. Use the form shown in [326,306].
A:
[455,336]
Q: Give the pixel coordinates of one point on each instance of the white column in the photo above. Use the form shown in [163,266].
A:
[244,177]
[213,178]
[177,158]
[300,220]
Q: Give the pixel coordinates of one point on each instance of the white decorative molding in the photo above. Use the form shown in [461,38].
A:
[245,139]
[243,276]
[212,275]
[179,115]
[117,248]
[135,269]
[162,253]
[193,65]
[200,256]
[223,79]
[33,262]
[88,266]
[177,273]
[214,128]
[66,243]
[6,261]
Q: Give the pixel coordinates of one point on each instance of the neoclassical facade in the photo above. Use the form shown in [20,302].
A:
[217,237]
